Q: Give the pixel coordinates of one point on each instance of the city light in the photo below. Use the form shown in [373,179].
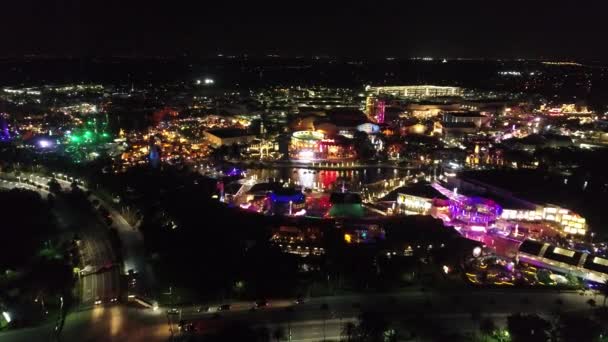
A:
[44,143]
[288,156]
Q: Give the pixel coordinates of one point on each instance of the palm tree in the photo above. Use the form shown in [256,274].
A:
[349,330]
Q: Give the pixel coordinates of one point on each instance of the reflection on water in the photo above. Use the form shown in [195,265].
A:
[326,179]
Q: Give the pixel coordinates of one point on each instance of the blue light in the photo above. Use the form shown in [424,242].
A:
[295,198]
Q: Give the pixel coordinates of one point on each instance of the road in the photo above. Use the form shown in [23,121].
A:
[412,302]
[132,241]
[453,310]
[449,311]
[94,247]
[104,284]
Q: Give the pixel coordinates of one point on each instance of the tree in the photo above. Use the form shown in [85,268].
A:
[575,327]
[528,328]
[487,326]
[220,153]
[372,326]
[235,151]
[422,327]
[349,330]
[363,146]
[54,186]
[574,281]
[31,224]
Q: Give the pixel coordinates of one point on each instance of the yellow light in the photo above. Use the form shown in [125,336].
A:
[348,238]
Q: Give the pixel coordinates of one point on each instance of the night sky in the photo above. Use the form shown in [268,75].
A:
[491,29]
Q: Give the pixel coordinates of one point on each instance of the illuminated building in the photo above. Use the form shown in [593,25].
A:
[346,204]
[565,109]
[4,132]
[313,146]
[412,126]
[475,118]
[416,91]
[571,222]
[420,198]
[287,201]
[427,110]
[518,209]
[521,214]
[458,128]
[301,241]
[375,109]
[580,264]
[415,204]
[475,210]
[228,136]
[370,105]
[379,113]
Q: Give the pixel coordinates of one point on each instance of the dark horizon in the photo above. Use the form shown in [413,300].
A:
[551,31]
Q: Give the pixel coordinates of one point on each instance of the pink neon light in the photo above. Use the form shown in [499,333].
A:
[380,111]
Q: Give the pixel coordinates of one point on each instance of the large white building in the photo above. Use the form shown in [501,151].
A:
[416,91]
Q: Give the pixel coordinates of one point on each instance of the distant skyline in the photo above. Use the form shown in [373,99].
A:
[465,29]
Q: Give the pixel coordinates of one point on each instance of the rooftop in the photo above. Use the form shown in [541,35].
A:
[229,132]
[424,190]
[466,114]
